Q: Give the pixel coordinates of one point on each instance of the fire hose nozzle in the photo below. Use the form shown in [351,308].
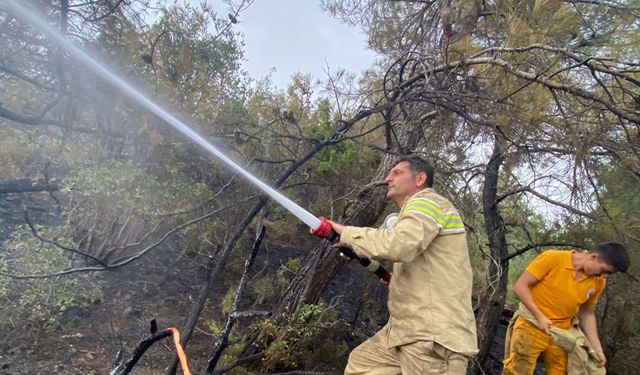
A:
[325,230]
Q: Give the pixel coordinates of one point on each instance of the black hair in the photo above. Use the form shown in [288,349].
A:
[614,254]
[417,165]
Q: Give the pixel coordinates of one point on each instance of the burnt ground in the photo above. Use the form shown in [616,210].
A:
[160,286]
[124,301]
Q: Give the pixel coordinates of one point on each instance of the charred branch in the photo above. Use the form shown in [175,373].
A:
[26,78]
[494,296]
[35,233]
[119,262]
[238,362]
[222,341]
[125,367]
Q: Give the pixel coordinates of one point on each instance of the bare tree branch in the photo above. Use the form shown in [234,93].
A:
[221,342]
[37,120]
[527,189]
[59,245]
[120,262]
[26,78]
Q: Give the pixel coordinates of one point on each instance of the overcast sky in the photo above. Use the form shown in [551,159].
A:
[298,36]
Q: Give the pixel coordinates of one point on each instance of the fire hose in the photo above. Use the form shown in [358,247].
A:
[179,350]
[325,230]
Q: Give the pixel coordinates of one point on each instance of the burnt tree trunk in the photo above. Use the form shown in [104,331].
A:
[492,300]
[323,263]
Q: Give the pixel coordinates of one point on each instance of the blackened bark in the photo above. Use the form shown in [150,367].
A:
[323,263]
[223,340]
[492,300]
[125,367]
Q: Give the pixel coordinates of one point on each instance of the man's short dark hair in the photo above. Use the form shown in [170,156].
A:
[417,165]
[614,254]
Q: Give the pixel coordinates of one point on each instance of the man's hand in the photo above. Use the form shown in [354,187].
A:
[601,358]
[587,317]
[384,282]
[338,228]
[544,323]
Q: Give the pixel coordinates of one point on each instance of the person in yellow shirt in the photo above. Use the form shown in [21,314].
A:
[431,327]
[555,288]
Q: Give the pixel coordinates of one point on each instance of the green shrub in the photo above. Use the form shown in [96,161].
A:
[306,341]
[227,301]
[39,304]
[263,289]
[285,271]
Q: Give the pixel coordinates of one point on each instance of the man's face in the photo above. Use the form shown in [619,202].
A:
[596,266]
[401,183]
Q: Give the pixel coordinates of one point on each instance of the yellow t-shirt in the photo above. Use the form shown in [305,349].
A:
[559,295]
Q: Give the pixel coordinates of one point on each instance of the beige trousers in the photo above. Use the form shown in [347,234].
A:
[373,357]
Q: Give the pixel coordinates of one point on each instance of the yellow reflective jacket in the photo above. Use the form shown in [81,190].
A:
[430,291]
